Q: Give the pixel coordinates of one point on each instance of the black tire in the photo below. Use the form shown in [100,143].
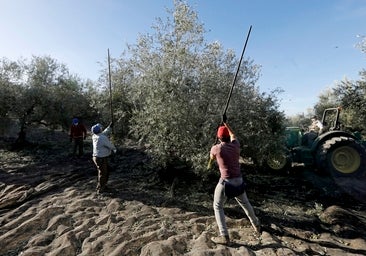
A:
[341,157]
[277,161]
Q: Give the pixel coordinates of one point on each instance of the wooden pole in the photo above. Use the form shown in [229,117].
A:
[231,89]
[237,72]
[110,91]
[234,80]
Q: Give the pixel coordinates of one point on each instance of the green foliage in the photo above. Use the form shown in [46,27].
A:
[299,120]
[41,92]
[350,95]
[9,85]
[327,99]
[173,86]
[353,101]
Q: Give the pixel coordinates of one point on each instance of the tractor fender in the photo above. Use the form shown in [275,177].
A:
[328,135]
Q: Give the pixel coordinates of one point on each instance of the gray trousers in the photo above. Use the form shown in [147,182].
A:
[220,199]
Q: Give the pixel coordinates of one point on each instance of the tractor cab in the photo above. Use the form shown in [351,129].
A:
[330,119]
[303,153]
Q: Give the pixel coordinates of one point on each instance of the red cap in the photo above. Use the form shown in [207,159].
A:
[223,132]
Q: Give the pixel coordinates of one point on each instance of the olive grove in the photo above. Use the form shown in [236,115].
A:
[40,92]
[169,90]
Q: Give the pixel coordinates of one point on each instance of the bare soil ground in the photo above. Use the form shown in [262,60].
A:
[48,206]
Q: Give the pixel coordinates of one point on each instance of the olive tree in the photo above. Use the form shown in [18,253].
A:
[42,92]
[351,95]
[10,89]
[177,85]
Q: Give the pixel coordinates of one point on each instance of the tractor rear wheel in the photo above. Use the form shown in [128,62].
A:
[277,161]
[342,156]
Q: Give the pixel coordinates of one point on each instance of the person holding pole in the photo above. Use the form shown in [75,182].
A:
[231,184]
[102,149]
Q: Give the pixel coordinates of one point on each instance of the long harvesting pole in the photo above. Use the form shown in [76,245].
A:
[232,87]
[110,91]
[237,72]
[235,77]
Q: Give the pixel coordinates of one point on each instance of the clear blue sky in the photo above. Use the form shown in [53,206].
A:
[303,46]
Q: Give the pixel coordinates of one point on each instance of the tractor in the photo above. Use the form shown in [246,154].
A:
[334,150]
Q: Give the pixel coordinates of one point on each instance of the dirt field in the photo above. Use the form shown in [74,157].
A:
[48,206]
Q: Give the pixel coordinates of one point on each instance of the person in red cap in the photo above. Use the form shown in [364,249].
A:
[78,134]
[231,184]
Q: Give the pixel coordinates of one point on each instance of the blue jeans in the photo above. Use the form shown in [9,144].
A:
[220,199]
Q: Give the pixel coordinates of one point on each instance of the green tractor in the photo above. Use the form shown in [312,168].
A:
[334,150]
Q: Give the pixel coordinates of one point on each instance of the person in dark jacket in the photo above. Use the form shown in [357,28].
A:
[78,133]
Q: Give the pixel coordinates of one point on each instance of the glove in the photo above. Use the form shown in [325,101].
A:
[110,124]
[224,118]
[209,165]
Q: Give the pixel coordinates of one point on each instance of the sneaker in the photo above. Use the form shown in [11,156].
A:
[225,240]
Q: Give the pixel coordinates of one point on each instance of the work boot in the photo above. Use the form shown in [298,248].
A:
[225,240]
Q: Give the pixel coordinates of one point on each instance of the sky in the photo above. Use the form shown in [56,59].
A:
[303,47]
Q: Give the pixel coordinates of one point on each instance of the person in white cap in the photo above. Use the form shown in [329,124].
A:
[102,149]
